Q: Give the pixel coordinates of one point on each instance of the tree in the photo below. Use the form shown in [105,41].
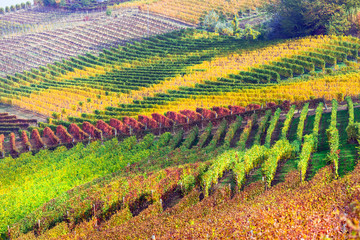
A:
[296,18]
[51,3]
[62,3]
[85,3]
[2,10]
[210,20]
[108,12]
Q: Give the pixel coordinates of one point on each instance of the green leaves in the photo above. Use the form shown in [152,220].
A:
[287,122]
[190,139]
[307,149]
[231,132]
[252,158]
[351,110]
[271,128]
[333,138]
[282,150]
[221,164]
[303,115]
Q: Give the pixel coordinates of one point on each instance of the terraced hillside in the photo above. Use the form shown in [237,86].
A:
[193,70]
[27,51]
[239,154]
[157,130]
[192,10]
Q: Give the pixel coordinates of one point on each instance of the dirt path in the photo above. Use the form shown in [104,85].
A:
[21,113]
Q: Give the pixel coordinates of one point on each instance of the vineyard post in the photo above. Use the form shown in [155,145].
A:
[94,213]
[326,108]
[264,180]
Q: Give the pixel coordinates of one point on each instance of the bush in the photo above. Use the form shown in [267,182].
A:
[353,131]
[211,20]
[248,33]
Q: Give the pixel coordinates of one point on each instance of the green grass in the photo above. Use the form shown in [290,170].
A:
[356,113]
[292,130]
[318,160]
[348,152]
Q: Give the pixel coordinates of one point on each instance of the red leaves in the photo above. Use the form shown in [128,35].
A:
[236,109]
[2,138]
[54,140]
[252,107]
[177,117]
[193,116]
[119,126]
[286,105]
[271,105]
[91,130]
[36,136]
[105,128]
[25,140]
[134,124]
[77,132]
[149,122]
[161,119]
[222,112]
[63,133]
[13,143]
[206,113]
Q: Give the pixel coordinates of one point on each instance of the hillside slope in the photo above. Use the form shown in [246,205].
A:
[160,179]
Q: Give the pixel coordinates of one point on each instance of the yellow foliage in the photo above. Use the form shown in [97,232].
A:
[327,87]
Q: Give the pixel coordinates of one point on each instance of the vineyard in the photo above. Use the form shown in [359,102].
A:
[192,10]
[234,154]
[89,82]
[49,43]
[131,120]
